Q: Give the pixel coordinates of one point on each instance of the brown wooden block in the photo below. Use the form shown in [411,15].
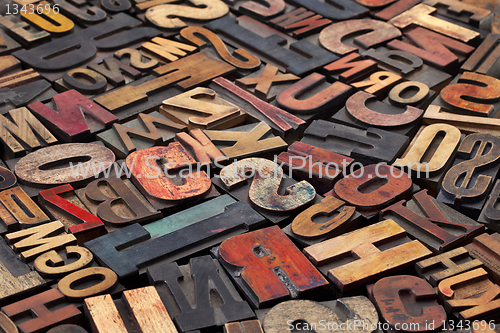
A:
[445,265]
[486,249]
[430,155]
[468,13]
[335,37]
[67,328]
[373,188]
[275,197]
[434,49]
[248,326]
[166,50]
[298,58]
[365,254]
[70,163]
[468,182]
[116,6]
[423,218]
[139,310]
[408,304]
[17,279]
[145,131]
[32,242]
[247,140]
[262,10]
[83,80]
[350,68]
[265,265]
[17,133]
[490,214]
[320,167]
[62,204]
[9,64]
[280,120]
[81,12]
[167,16]
[8,325]
[408,65]
[8,44]
[18,211]
[36,91]
[305,101]
[192,304]
[306,315]
[107,278]
[192,34]
[336,10]
[329,218]
[395,9]
[202,108]
[137,59]
[55,265]
[465,285]
[52,22]
[19,78]
[368,146]
[201,148]
[8,179]
[378,83]
[484,60]
[46,310]
[300,22]
[22,32]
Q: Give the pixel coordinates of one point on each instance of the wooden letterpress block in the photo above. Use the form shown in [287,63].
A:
[19,78]
[371,146]
[332,37]
[9,65]
[116,6]
[300,58]
[372,188]
[247,140]
[9,45]
[407,303]
[320,167]
[18,211]
[91,281]
[17,279]
[139,310]
[336,10]
[445,265]
[468,13]
[83,80]
[378,83]
[22,32]
[167,16]
[250,61]
[266,192]
[7,177]
[430,155]
[308,315]
[434,224]
[353,258]
[350,68]
[486,249]
[466,285]
[84,44]
[32,242]
[261,10]
[395,8]
[166,50]
[137,59]
[317,223]
[145,131]
[484,60]
[490,214]
[36,91]
[202,108]
[58,24]
[200,147]
[49,263]
[300,22]
[67,328]
[479,158]
[191,303]
[175,236]
[17,133]
[265,264]
[46,310]
[434,49]
[248,326]
[63,205]
[81,12]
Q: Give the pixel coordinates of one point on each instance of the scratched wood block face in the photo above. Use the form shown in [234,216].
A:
[188,294]
[32,92]
[86,46]
[413,303]
[485,248]
[174,237]
[353,258]
[350,68]
[138,310]
[371,146]
[256,259]
[373,188]
[320,167]
[202,149]
[329,218]
[309,315]
[433,223]
[474,16]
[249,140]
[300,22]
[145,131]
[202,108]
[270,193]
[166,50]
[22,32]
[446,265]
[430,155]
[54,265]
[42,311]
[479,158]
[19,280]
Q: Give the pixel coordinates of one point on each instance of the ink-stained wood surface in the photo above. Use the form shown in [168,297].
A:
[36,91]
[81,12]
[107,277]
[369,261]
[22,32]
[256,259]
[472,15]
[24,211]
